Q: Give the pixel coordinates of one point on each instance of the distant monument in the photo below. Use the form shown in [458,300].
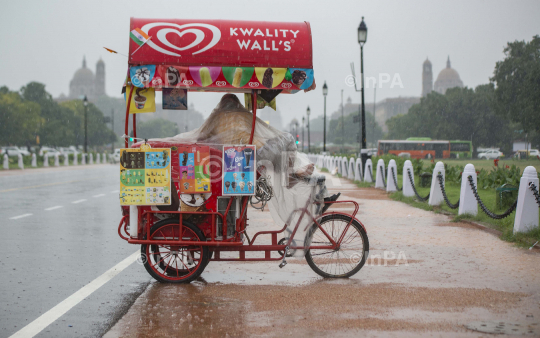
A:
[85,83]
[448,78]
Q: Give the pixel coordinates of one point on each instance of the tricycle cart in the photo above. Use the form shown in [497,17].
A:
[180,229]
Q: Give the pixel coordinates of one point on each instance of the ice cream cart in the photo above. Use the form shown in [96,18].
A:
[185,199]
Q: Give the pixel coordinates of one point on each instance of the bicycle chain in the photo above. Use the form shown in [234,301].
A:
[484,208]
[450,205]
[395,179]
[423,199]
[534,190]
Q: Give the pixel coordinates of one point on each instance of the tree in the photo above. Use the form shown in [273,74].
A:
[157,128]
[19,120]
[517,81]
[350,129]
[98,132]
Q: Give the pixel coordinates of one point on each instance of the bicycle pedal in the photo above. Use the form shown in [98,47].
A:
[282,264]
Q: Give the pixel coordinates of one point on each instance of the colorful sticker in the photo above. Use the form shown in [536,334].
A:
[174,76]
[301,77]
[143,100]
[175,98]
[239,170]
[142,75]
[204,76]
[238,76]
[145,176]
[270,77]
[194,169]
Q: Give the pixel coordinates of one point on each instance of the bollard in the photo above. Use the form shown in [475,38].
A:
[34,160]
[75,158]
[358,170]
[104,158]
[408,190]
[83,159]
[527,207]
[351,169]
[467,201]
[368,170]
[66,159]
[98,159]
[379,176]
[344,167]
[46,160]
[56,160]
[6,162]
[20,161]
[435,194]
[91,159]
[390,184]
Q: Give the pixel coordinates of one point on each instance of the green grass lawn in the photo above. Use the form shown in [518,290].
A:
[488,164]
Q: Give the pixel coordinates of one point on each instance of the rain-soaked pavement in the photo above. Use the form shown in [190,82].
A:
[426,276]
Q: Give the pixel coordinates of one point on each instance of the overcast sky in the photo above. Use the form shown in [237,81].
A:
[45,40]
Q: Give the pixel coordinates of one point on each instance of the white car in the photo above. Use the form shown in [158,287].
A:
[51,151]
[12,151]
[116,156]
[490,154]
[24,151]
[534,152]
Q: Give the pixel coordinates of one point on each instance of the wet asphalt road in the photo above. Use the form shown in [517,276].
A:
[47,256]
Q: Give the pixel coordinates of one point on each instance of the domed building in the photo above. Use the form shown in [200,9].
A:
[85,83]
[447,78]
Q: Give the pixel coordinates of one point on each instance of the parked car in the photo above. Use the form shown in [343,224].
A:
[51,151]
[534,152]
[24,151]
[490,154]
[522,154]
[12,151]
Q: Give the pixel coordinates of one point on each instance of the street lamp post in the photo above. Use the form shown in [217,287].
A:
[324,92]
[308,141]
[362,37]
[342,126]
[85,104]
[303,124]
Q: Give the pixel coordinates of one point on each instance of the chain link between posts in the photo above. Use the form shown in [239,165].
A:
[484,208]
[423,199]
[534,190]
[382,175]
[450,205]
[395,179]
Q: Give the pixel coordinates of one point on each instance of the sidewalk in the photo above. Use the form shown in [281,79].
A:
[30,170]
[454,274]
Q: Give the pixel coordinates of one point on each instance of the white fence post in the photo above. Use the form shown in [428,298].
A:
[104,158]
[98,158]
[390,184]
[351,169]
[407,186]
[358,170]
[6,162]
[527,208]
[91,159]
[467,200]
[66,159]
[379,176]
[368,176]
[34,160]
[344,167]
[20,160]
[435,194]
[75,158]
[56,160]
[83,159]
[46,160]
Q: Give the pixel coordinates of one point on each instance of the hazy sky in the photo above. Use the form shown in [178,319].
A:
[45,40]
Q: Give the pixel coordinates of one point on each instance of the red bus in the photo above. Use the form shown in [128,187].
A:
[415,148]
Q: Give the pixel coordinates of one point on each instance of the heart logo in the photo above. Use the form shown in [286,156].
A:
[253,84]
[286,85]
[221,83]
[187,82]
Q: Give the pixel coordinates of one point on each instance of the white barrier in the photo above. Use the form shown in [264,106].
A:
[527,208]
[344,167]
[467,200]
[408,190]
[83,159]
[368,171]
[34,160]
[390,184]
[379,176]
[104,158]
[98,158]
[20,161]
[358,170]
[46,160]
[351,169]
[56,160]
[91,159]
[66,160]
[435,194]
[6,162]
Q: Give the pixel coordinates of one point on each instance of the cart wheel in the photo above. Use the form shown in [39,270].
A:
[349,258]
[174,263]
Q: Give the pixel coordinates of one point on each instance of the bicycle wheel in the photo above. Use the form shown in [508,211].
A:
[173,263]
[348,258]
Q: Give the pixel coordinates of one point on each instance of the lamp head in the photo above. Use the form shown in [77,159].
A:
[325,89]
[362,32]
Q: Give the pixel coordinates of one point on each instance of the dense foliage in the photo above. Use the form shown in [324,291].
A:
[157,128]
[346,130]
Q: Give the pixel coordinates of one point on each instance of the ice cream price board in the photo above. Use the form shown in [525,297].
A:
[145,176]
[239,169]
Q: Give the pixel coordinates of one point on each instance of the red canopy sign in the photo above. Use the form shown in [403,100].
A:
[223,43]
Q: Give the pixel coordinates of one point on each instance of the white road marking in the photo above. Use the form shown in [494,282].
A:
[100,195]
[54,208]
[21,216]
[115,191]
[67,304]
[78,201]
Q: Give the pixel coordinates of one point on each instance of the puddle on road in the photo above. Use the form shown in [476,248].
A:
[211,310]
